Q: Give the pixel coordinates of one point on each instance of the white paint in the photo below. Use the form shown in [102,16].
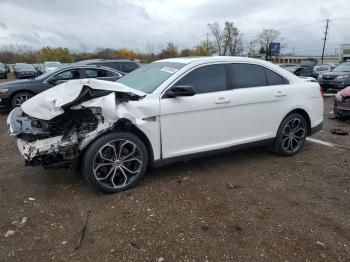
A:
[184,125]
[321,142]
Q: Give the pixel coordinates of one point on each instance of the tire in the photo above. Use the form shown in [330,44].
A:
[291,135]
[19,98]
[107,173]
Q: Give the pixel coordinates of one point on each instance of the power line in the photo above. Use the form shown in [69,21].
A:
[325,39]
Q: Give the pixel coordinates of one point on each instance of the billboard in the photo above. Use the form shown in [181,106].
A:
[275,49]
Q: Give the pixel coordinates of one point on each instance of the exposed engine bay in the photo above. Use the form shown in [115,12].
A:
[65,129]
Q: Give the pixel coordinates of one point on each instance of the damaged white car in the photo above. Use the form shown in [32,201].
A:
[163,112]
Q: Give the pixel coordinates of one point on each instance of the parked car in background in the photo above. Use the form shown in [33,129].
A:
[337,78]
[342,103]
[166,111]
[304,71]
[14,93]
[7,68]
[24,71]
[122,65]
[318,69]
[40,69]
[3,71]
[51,66]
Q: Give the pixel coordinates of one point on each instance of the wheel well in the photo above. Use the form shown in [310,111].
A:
[21,91]
[306,116]
[126,125]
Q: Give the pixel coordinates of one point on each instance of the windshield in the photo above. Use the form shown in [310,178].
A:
[25,67]
[342,68]
[149,77]
[52,64]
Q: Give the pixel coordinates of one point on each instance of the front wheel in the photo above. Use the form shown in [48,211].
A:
[291,135]
[19,98]
[115,162]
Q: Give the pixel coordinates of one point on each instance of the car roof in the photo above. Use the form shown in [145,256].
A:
[74,66]
[103,60]
[213,59]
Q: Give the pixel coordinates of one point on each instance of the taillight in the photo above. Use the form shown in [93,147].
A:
[321,90]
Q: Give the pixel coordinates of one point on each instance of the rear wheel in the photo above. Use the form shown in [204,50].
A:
[115,162]
[291,135]
[19,98]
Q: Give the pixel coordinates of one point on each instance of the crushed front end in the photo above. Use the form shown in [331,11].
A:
[54,127]
[342,103]
[56,142]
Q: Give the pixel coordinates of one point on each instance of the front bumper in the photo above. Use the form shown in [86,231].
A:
[5,102]
[342,108]
[332,84]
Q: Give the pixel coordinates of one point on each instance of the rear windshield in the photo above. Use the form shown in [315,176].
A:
[147,78]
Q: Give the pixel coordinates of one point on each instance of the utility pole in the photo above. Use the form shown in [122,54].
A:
[325,39]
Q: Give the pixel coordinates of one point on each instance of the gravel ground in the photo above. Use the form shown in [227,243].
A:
[242,206]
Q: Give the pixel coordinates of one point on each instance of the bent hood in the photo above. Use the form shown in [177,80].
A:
[53,101]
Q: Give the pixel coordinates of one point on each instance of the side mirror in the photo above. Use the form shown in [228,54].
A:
[176,91]
[52,80]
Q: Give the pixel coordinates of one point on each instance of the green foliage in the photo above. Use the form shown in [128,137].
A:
[55,54]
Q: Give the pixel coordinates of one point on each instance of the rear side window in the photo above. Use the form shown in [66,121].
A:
[248,75]
[128,66]
[274,78]
[206,79]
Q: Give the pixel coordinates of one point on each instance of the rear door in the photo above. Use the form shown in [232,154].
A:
[201,122]
[258,98]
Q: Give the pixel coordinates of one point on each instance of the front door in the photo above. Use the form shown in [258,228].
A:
[201,122]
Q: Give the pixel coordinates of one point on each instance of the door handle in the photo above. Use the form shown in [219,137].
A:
[222,100]
[280,93]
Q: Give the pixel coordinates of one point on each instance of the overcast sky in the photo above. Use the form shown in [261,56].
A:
[87,24]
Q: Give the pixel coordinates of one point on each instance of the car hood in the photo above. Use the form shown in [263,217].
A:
[335,73]
[345,91]
[54,101]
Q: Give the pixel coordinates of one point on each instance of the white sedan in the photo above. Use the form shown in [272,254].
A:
[166,111]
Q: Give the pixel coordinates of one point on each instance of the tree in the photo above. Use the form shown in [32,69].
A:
[169,51]
[55,54]
[204,48]
[227,41]
[125,53]
[217,34]
[265,38]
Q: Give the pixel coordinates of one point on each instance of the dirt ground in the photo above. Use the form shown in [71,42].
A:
[242,206]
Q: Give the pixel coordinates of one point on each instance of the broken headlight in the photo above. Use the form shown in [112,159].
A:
[338,97]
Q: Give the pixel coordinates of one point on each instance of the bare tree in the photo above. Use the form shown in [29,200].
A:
[218,36]
[229,41]
[266,37]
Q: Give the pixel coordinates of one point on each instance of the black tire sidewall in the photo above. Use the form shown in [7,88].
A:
[88,159]
[278,148]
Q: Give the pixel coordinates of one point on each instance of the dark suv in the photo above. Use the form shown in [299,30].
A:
[122,65]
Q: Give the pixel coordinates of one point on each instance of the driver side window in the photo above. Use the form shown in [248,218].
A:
[68,75]
[206,79]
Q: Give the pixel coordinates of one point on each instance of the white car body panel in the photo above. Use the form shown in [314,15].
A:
[187,125]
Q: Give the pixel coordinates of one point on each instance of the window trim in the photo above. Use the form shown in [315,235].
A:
[170,85]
